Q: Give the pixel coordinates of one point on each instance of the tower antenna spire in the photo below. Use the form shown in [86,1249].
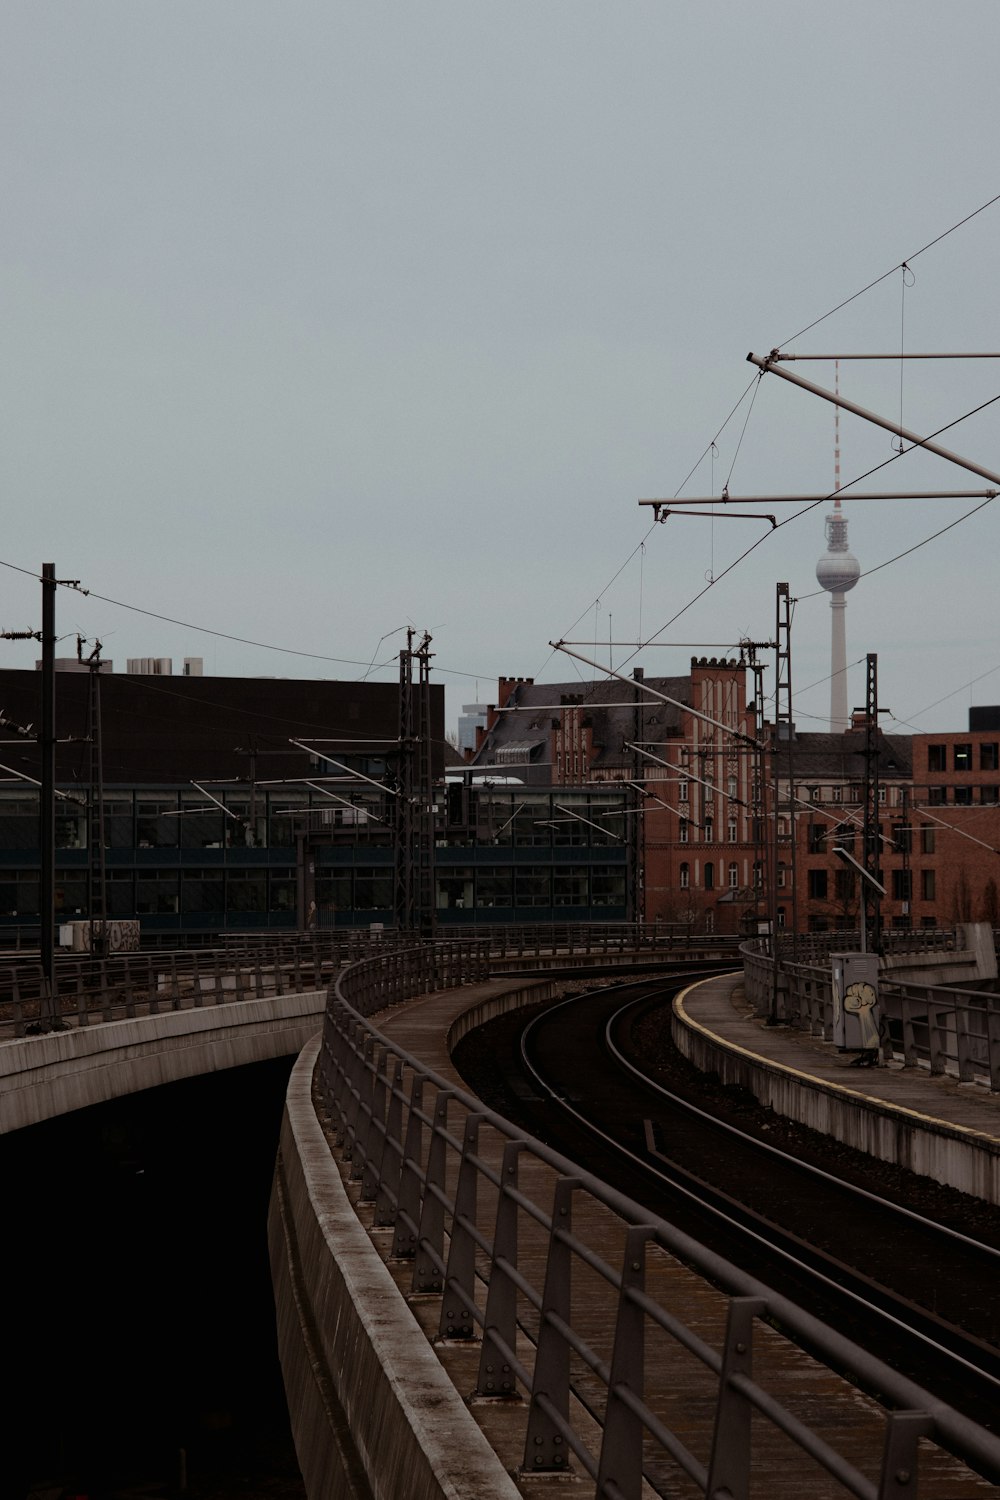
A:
[837,571]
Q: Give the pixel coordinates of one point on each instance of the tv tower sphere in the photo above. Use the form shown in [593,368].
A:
[838,570]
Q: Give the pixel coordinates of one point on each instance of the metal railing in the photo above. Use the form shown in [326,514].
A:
[572,1288]
[943,1028]
[246,966]
[90,990]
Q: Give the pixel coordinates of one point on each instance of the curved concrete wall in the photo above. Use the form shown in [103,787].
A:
[374,1414]
[950,1154]
[42,1076]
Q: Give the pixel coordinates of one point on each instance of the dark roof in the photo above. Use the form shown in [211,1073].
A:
[606,707]
[841,757]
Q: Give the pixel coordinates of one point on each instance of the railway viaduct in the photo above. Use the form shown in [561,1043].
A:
[378,1407]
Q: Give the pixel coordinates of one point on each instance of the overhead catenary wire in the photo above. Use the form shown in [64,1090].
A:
[892,271]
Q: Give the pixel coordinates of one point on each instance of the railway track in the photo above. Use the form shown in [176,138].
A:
[917,1293]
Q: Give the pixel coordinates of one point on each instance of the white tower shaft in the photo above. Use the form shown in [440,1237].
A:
[839,721]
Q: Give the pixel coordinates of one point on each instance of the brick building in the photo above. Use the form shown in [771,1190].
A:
[684,747]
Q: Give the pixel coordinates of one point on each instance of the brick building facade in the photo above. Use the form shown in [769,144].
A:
[684,745]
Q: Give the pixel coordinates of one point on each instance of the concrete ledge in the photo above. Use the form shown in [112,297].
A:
[353,1356]
[43,1076]
[952,1154]
[501,1004]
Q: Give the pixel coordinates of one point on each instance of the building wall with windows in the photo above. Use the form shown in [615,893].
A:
[214,818]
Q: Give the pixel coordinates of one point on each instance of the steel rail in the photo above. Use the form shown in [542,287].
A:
[809,1168]
[701,1196]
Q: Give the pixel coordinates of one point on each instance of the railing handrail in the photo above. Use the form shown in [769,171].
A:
[361,1073]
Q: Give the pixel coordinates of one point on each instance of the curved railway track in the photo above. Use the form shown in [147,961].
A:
[920,1295]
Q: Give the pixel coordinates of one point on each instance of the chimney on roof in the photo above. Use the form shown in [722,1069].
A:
[638,674]
[507,687]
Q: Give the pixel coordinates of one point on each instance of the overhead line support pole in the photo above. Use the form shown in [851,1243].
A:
[47,804]
[768,366]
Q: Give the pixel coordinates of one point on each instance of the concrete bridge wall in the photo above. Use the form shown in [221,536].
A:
[374,1414]
[43,1076]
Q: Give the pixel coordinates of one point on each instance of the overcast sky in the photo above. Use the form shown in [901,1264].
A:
[319,319]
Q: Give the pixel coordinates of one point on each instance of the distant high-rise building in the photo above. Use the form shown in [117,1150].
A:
[150,666]
[472,717]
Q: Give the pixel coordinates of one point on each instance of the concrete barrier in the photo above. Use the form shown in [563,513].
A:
[43,1076]
[954,1155]
[373,1411]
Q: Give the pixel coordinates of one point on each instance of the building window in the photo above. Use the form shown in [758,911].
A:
[928,838]
[569,886]
[781,918]
[817,885]
[836,794]
[843,836]
[684,831]
[733,831]
[781,876]
[902,885]
[989,795]
[685,876]
[937,757]
[817,838]
[734,875]
[881,794]
[494,886]
[937,796]
[927,885]
[843,884]
[732,783]
[682,791]
[963,757]
[988,757]
[708,831]
[709,876]
[963,796]
[902,838]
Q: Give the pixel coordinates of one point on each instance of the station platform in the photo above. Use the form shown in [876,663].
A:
[931,1124]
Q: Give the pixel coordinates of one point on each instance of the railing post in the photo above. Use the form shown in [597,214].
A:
[375,1135]
[358,1131]
[457,1321]
[430,1240]
[621,1446]
[496,1377]
[390,1167]
[545,1446]
[993,1041]
[935,1043]
[404,1243]
[898,1478]
[729,1467]
[963,1043]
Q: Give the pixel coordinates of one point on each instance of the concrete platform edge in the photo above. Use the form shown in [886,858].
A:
[947,1153]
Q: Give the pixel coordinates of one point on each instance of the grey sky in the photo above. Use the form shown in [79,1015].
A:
[320,318]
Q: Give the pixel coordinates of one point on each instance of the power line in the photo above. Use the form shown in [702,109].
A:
[886,274]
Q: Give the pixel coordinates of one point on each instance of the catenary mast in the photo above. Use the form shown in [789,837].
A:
[838,571]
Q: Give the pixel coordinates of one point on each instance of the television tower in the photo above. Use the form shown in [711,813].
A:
[837,571]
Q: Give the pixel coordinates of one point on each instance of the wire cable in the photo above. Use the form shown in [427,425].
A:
[891,272]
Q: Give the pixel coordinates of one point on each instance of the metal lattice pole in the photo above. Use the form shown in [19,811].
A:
[871,910]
